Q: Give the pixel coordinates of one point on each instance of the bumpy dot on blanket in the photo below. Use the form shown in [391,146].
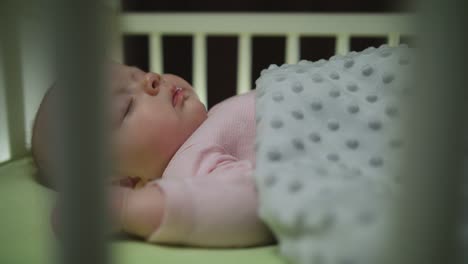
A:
[328,145]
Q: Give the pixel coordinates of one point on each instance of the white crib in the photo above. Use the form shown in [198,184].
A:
[26,73]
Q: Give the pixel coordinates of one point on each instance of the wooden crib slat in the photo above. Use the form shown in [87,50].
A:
[199,67]
[342,44]
[292,48]
[156,54]
[244,63]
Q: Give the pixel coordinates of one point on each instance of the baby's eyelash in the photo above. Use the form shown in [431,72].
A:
[129,107]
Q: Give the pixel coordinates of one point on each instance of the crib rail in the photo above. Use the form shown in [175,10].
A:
[244,26]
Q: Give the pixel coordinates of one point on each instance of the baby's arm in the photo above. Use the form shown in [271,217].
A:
[216,210]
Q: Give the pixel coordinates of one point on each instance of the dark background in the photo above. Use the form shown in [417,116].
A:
[222,51]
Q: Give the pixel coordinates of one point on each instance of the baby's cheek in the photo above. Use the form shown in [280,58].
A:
[153,140]
[198,115]
[144,143]
[127,147]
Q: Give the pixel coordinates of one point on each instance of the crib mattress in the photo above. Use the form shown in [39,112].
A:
[26,237]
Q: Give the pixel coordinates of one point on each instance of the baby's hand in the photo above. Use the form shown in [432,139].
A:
[130,182]
[118,197]
[137,211]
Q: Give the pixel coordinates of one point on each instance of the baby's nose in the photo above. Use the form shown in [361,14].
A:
[151,83]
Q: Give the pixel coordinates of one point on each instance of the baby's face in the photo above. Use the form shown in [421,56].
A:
[152,116]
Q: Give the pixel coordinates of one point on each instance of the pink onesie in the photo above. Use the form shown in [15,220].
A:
[208,184]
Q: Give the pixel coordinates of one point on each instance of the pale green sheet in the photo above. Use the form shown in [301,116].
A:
[25,234]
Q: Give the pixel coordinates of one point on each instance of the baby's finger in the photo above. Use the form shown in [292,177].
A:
[130,182]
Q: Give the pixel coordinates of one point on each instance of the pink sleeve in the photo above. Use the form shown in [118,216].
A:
[215,210]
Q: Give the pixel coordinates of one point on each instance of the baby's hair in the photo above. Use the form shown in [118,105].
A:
[39,135]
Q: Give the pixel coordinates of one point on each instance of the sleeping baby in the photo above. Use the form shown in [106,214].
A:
[185,174]
[328,154]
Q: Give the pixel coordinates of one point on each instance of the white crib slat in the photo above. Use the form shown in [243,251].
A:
[4,137]
[292,48]
[342,44]
[244,63]
[116,36]
[117,51]
[156,54]
[12,90]
[199,67]
[393,39]
[37,71]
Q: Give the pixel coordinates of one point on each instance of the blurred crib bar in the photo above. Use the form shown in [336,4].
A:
[428,220]
[79,130]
